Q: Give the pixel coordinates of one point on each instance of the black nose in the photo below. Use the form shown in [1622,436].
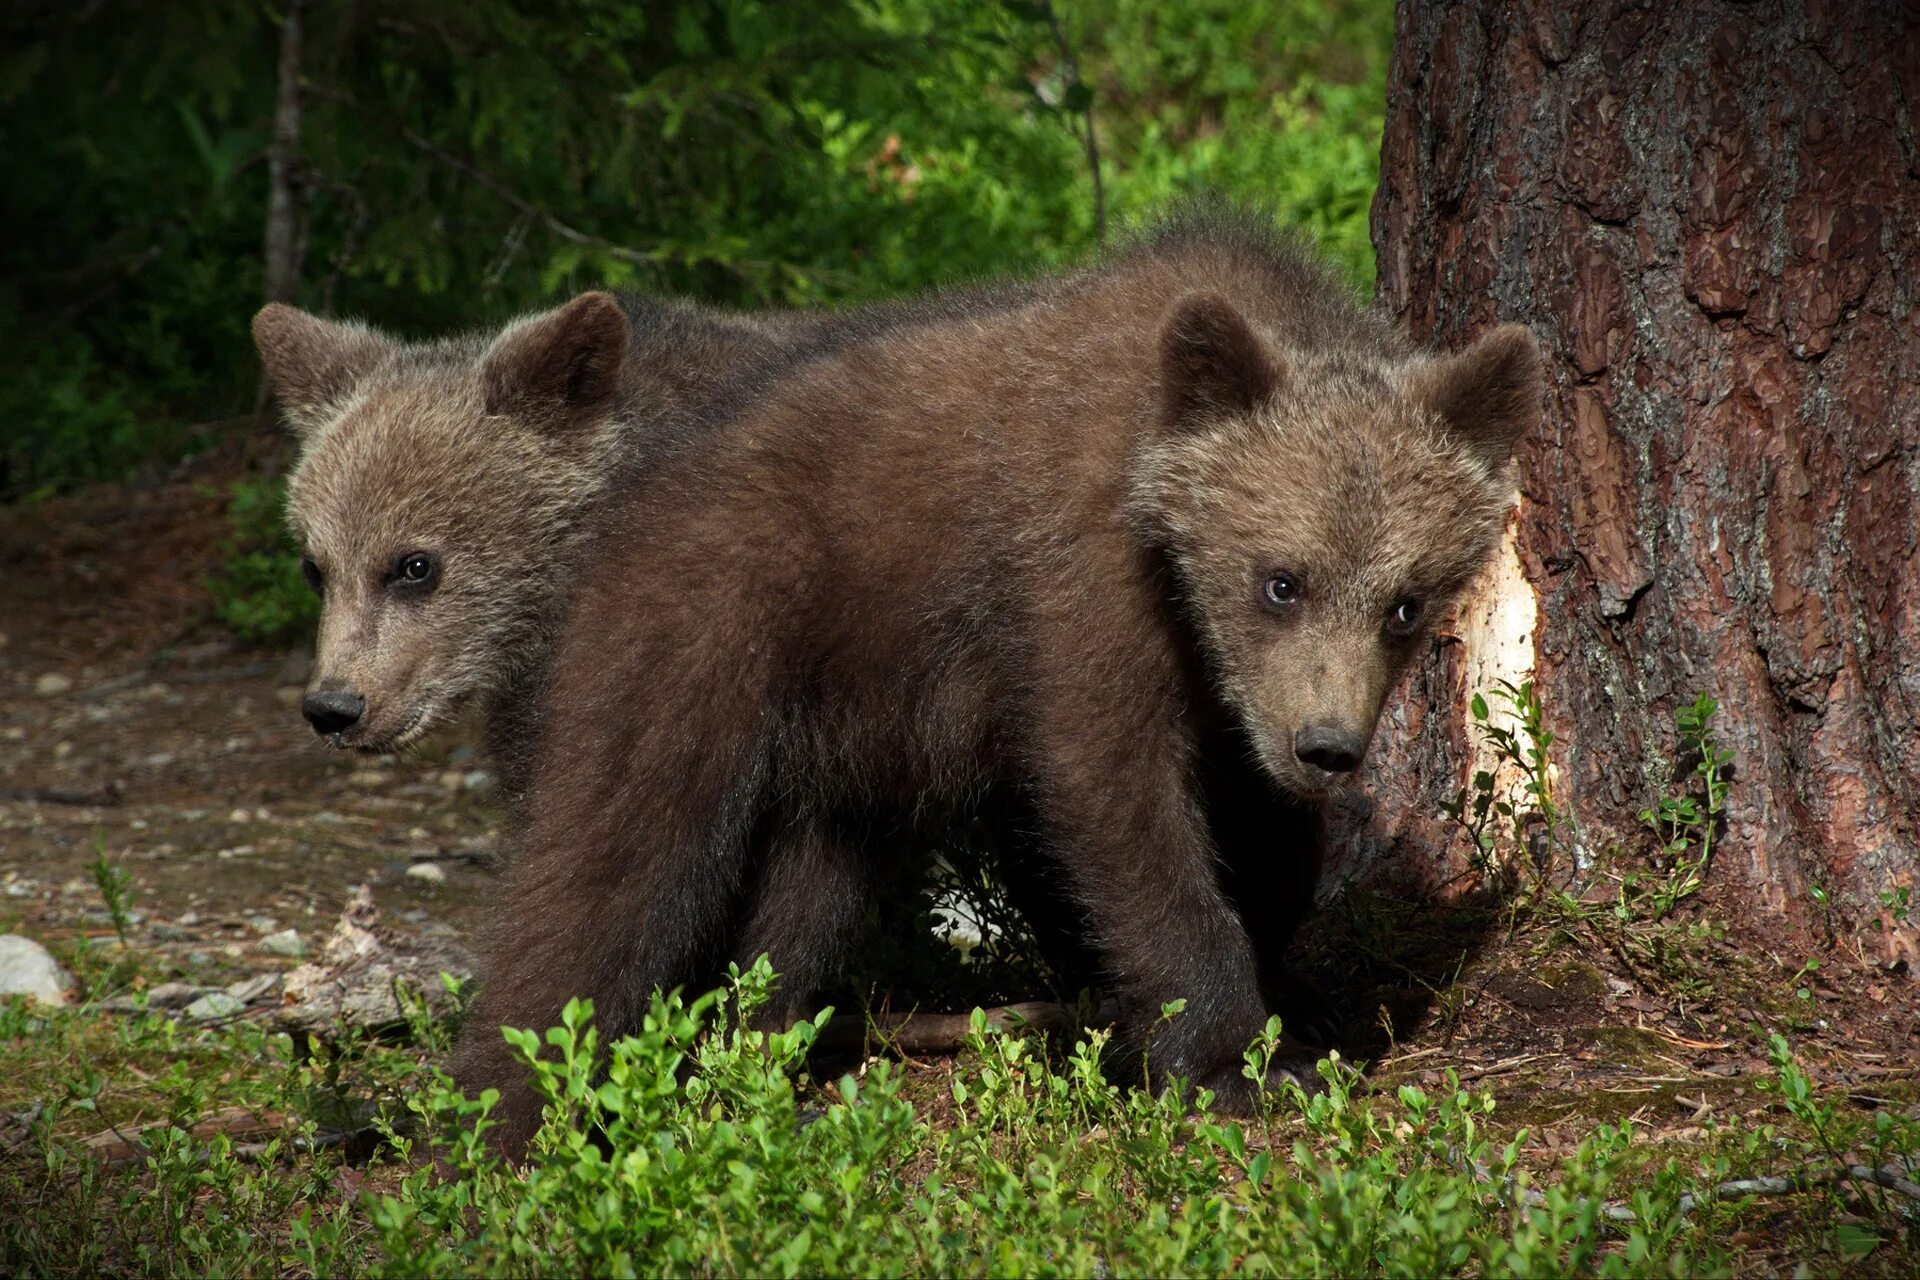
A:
[1325,747]
[332,711]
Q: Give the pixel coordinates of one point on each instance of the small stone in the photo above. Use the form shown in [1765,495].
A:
[289,696]
[239,815]
[255,988]
[175,995]
[284,943]
[62,750]
[368,778]
[29,969]
[52,685]
[431,872]
[169,933]
[215,1004]
[16,734]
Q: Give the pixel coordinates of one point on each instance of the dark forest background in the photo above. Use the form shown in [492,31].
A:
[453,163]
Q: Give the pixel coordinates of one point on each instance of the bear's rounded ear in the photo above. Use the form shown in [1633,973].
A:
[556,369]
[1489,394]
[312,363]
[1212,364]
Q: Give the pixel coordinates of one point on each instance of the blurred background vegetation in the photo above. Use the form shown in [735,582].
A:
[458,162]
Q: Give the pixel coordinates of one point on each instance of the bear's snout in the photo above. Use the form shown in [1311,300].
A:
[1329,747]
[332,711]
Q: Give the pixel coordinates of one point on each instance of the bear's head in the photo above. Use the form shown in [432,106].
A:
[1322,511]
[438,488]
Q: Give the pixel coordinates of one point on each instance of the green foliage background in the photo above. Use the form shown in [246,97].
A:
[462,161]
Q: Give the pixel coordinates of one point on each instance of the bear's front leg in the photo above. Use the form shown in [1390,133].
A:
[1118,802]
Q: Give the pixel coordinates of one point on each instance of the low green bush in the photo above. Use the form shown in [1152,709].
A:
[258,591]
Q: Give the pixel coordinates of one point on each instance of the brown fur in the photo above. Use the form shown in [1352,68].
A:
[1023,550]
[485,451]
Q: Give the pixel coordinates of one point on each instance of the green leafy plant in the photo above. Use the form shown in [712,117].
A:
[1685,824]
[1530,818]
[1896,903]
[259,592]
[115,884]
[699,1144]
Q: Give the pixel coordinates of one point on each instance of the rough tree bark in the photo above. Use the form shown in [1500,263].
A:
[285,235]
[1710,214]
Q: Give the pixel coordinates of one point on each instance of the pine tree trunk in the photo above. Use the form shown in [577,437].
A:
[1710,215]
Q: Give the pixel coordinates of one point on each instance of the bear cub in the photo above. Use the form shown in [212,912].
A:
[1146,551]
[442,487]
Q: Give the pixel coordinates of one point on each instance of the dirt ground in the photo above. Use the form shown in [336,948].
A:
[131,725]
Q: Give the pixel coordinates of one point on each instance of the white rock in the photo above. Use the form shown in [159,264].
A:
[175,995]
[52,685]
[431,872]
[28,969]
[284,943]
[215,1004]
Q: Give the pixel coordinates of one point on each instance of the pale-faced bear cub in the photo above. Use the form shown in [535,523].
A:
[442,487]
[1063,550]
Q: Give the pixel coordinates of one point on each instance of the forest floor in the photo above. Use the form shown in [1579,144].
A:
[132,727]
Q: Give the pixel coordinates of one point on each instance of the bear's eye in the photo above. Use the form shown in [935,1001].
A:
[1283,590]
[1404,616]
[416,571]
[311,572]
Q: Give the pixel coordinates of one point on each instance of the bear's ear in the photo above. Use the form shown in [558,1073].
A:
[557,369]
[1489,394]
[1212,364]
[313,363]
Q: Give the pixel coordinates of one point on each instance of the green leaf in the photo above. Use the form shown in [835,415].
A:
[1855,1240]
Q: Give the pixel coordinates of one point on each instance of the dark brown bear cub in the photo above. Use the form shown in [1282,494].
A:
[1183,511]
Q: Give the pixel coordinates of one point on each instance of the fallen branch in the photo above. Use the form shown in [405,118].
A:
[913,1034]
[98,797]
[1892,1176]
[115,1147]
